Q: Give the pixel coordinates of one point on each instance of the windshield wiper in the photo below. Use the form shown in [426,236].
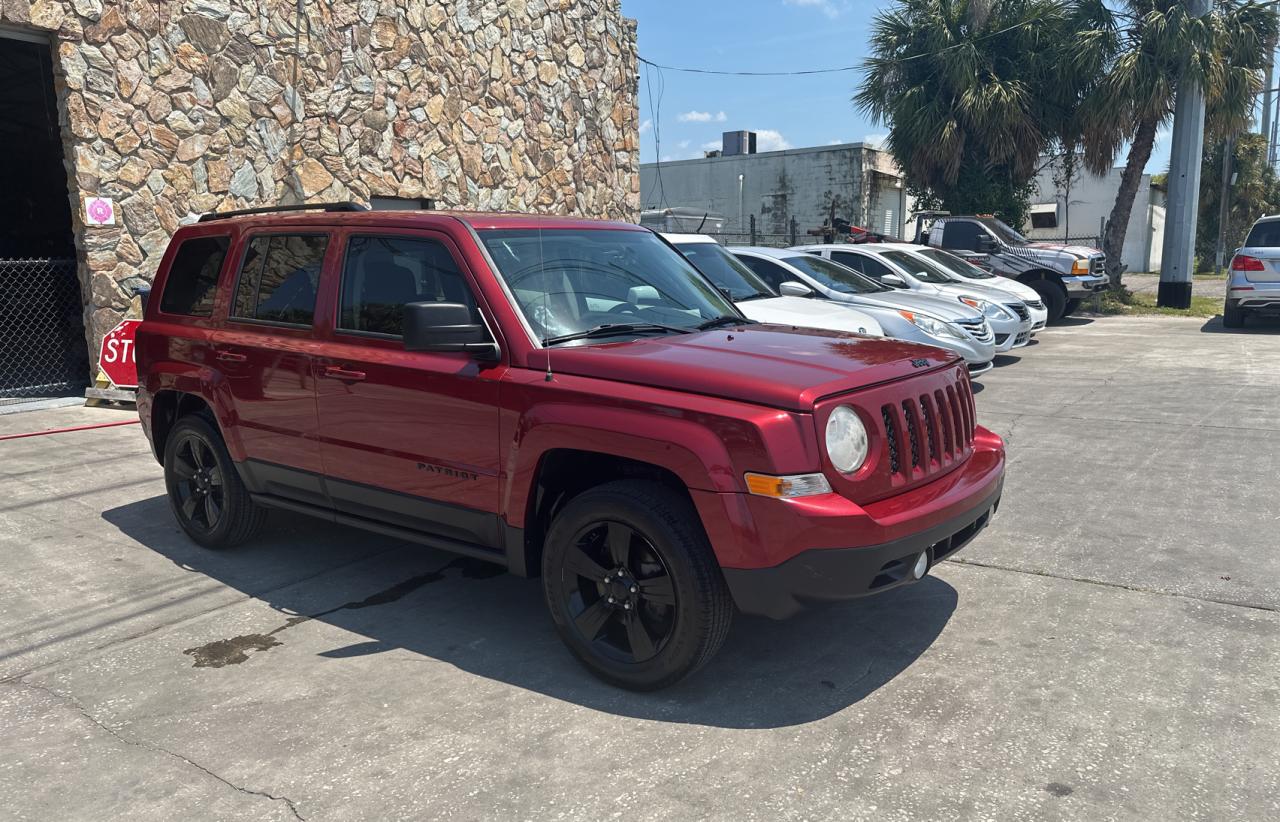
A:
[613,330]
[759,295]
[724,320]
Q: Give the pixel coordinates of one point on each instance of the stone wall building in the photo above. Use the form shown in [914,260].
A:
[172,108]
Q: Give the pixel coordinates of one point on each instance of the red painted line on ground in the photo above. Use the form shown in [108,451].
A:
[67,430]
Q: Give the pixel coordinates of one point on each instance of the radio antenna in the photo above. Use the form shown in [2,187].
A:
[546,297]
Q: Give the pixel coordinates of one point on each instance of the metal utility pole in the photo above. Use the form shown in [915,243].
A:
[1177,259]
[1224,201]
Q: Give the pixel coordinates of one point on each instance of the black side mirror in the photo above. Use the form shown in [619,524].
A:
[986,244]
[445,327]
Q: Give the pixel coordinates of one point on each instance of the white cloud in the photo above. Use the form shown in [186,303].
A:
[827,7]
[835,141]
[876,140]
[769,140]
[701,117]
[712,145]
[646,125]
[682,145]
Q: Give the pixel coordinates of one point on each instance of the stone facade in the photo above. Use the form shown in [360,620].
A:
[178,107]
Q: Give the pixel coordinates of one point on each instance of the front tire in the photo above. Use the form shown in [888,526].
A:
[633,587]
[1072,306]
[206,494]
[1232,315]
[1053,296]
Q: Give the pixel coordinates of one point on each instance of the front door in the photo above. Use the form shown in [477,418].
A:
[409,438]
[266,354]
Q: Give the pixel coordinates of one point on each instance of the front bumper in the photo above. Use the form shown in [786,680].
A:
[1085,285]
[1016,338]
[833,549]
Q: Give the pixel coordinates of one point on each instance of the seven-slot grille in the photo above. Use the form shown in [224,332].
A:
[978,329]
[928,433]
[1019,309]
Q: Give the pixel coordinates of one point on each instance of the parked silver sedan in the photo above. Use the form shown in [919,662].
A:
[897,266]
[903,315]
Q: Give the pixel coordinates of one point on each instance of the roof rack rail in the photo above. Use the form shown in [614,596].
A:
[223,215]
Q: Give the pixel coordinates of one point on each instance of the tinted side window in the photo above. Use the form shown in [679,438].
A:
[875,268]
[280,277]
[848,258]
[381,274]
[193,278]
[772,274]
[961,235]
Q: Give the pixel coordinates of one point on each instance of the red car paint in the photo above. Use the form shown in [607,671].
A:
[340,410]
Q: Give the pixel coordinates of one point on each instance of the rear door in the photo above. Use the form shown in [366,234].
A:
[266,353]
[410,438]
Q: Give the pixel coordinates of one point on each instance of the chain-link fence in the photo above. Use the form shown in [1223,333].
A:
[42,342]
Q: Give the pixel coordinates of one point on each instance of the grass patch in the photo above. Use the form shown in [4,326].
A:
[1125,303]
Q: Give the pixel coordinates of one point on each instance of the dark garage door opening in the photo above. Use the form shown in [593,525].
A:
[42,341]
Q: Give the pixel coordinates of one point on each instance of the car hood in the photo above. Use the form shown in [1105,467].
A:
[810,313]
[969,288]
[941,306]
[771,365]
[1020,290]
[1076,250]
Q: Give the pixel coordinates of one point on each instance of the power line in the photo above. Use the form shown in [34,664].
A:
[840,69]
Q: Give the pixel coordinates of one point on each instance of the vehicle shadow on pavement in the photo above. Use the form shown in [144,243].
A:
[1072,321]
[474,616]
[1252,325]
[1002,360]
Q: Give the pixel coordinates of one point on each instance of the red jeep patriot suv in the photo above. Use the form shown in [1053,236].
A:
[568,398]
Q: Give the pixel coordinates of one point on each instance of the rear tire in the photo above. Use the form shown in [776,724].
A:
[1232,315]
[664,610]
[206,494]
[1053,296]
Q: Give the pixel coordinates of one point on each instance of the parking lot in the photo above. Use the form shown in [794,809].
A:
[1109,648]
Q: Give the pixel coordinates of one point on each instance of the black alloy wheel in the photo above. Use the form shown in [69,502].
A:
[619,595]
[201,495]
[633,586]
[207,496]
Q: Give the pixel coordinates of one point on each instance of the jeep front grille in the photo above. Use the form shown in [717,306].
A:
[935,429]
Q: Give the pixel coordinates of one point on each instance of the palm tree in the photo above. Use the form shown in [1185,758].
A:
[1224,51]
[974,91]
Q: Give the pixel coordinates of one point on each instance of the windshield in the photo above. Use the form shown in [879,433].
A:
[567,281]
[1003,231]
[833,275]
[918,267]
[725,270]
[956,265]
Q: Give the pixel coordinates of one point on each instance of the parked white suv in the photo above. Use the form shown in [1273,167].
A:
[1253,286]
[754,299]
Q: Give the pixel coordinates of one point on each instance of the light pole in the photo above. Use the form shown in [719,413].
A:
[1177,259]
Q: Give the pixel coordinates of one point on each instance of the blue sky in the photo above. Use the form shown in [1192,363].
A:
[757,35]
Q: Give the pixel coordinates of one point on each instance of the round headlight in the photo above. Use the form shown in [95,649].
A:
[846,440]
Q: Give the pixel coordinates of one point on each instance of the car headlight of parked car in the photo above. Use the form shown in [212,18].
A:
[846,439]
[933,327]
[990,310]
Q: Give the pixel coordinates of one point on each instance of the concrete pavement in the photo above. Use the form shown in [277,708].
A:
[1106,650]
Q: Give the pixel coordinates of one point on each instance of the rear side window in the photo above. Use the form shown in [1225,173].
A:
[771,273]
[1264,235]
[280,277]
[849,259]
[963,235]
[192,283]
[381,274]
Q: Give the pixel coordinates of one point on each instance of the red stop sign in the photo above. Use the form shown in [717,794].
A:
[116,358]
